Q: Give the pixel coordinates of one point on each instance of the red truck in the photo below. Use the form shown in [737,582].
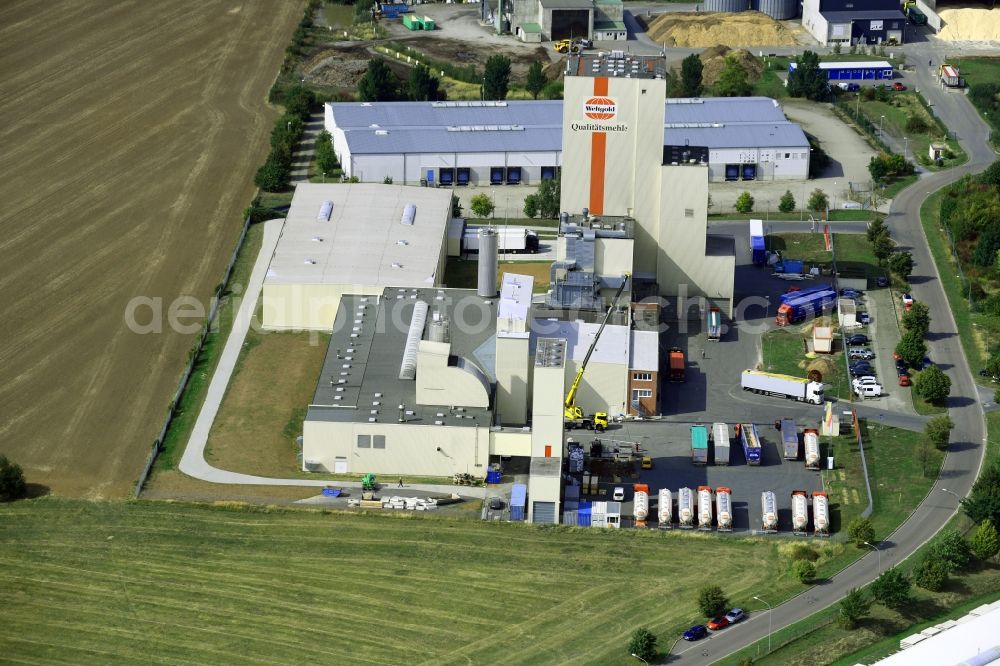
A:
[677,365]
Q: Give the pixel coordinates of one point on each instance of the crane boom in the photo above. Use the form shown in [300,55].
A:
[571,411]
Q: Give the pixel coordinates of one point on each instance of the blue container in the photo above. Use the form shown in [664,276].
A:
[493,476]
[517,513]
[331,492]
[518,500]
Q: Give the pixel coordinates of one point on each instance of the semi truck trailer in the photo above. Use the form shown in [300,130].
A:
[800,511]
[750,442]
[724,508]
[758,249]
[789,439]
[704,507]
[640,504]
[699,445]
[821,515]
[811,439]
[509,239]
[685,508]
[713,324]
[665,509]
[720,440]
[813,304]
[678,367]
[782,386]
[768,512]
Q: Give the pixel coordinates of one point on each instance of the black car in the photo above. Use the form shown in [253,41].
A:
[858,369]
[902,372]
[857,339]
[901,365]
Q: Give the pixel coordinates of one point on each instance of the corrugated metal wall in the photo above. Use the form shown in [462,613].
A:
[727,5]
[778,9]
[543,513]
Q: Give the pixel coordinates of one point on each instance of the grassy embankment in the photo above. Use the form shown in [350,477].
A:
[983,70]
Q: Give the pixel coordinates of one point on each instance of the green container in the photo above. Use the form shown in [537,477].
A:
[429,23]
[412,22]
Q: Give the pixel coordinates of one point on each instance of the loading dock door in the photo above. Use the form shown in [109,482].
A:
[340,465]
[749,172]
[732,172]
[543,513]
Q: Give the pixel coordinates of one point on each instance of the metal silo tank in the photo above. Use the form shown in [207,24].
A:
[487,284]
[726,5]
[777,9]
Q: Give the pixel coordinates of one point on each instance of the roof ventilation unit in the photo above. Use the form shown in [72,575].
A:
[409,214]
[324,211]
[408,368]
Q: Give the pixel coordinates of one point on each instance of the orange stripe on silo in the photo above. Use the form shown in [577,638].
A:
[598,153]
[598,149]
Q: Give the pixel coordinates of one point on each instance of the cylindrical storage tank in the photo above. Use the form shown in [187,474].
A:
[724,508]
[665,509]
[704,508]
[726,5]
[487,284]
[685,507]
[768,512]
[640,505]
[821,514]
[811,438]
[777,9]
[800,511]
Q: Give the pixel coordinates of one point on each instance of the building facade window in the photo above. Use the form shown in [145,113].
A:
[364,441]
[378,441]
[641,393]
[643,376]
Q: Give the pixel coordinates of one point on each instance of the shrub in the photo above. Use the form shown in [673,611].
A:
[805,571]
[712,601]
[744,203]
[931,574]
[985,544]
[859,531]
[801,551]
[531,206]
[12,485]
[891,589]
[916,125]
[853,607]
[643,644]
[787,202]
[818,201]
[951,549]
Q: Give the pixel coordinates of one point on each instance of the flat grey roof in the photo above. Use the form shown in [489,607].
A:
[535,126]
[567,4]
[364,241]
[756,135]
[865,15]
[361,367]
[617,63]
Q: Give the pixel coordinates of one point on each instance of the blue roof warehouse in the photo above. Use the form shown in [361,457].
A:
[511,142]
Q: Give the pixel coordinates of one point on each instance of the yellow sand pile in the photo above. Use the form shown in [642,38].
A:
[701,30]
[713,60]
[970,25]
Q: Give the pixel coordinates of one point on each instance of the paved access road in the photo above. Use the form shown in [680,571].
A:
[961,466]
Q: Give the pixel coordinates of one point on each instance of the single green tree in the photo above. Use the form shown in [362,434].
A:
[859,531]
[985,543]
[378,84]
[932,384]
[712,601]
[818,201]
[299,101]
[950,548]
[496,79]
[901,263]
[744,203]
[481,205]
[536,80]
[931,573]
[882,248]
[917,318]
[12,485]
[548,198]
[456,206]
[983,503]
[837,48]
[422,86]
[853,607]
[807,79]
[733,80]
[805,571]
[691,75]
[912,348]
[326,159]
[387,180]
[878,169]
[876,228]
[274,175]
[787,202]
[938,431]
[891,589]
[531,206]
[642,644]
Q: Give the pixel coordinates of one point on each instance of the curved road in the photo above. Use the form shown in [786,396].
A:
[961,465]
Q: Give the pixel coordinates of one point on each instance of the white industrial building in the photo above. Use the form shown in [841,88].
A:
[352,239]
[969,640]
[511,142]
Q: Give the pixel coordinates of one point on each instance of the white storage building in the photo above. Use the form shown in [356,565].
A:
[511,142]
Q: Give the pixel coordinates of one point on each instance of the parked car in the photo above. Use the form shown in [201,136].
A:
[858,339]
[986,373]
[619,494]
[864,379]
[859,370]
[882,281]
[496,504]
[896,357]
[718,623]
[902,370]
[792,289]
[901,366]
[695,632]
[864,318]
[850,293]
[735,615]
[868,390]
[898,85]
[861,353]
[647,462]
[925,363]
[904,380]
[907,301]
[849,87]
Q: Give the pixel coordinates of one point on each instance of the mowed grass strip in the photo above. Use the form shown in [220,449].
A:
[169,583]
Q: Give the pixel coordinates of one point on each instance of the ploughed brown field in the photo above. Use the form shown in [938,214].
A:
[130,134]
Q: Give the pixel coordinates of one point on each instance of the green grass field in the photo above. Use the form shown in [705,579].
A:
[146,582]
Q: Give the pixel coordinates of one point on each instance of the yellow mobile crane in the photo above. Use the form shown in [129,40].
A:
[571,412]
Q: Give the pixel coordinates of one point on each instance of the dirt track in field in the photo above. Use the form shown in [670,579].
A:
[130,134]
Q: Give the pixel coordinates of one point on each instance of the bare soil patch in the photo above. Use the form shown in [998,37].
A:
[131,132]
